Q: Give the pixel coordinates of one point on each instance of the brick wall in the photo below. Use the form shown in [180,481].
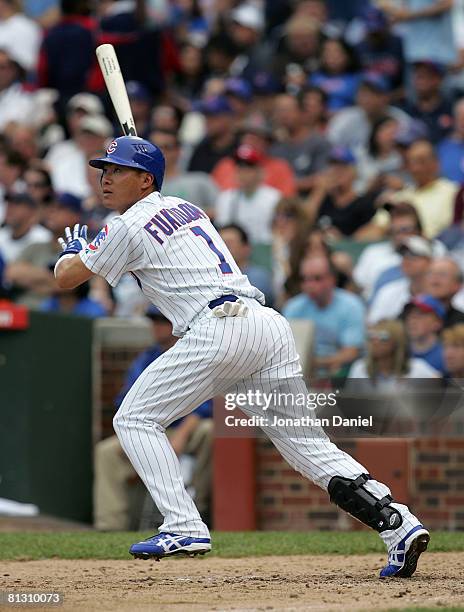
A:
[438,482]
[114,364]
[434,480]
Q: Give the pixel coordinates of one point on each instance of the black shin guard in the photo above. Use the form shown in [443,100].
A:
[353,497]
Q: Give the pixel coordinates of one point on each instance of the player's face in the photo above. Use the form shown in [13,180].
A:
[123,186]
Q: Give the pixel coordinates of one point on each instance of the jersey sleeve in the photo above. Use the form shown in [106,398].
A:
[112,252]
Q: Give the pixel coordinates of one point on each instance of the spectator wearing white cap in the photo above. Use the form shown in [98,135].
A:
[379,263]
[417,254]
[245,27]
[16,104]
[68,162]
[79,106]
[19,35]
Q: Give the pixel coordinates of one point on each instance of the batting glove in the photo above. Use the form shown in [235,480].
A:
[75,240]
[231,309]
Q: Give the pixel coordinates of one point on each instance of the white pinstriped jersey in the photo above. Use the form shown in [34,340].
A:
[174,252]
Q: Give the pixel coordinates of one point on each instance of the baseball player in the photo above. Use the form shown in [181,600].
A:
[229,342]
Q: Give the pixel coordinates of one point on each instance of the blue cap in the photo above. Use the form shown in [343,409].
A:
[265,83]
[376,81]
[69,200]
[414,130]
[216,105]
[342,155]
[432,65]
[134,152]
[427,304]
[239,88]
[374,19]
[137,91]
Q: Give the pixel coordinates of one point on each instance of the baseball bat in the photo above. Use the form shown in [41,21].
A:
[116,87]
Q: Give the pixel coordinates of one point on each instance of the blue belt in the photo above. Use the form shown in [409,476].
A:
[221,300]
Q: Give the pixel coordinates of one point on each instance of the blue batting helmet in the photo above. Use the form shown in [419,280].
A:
[134,152]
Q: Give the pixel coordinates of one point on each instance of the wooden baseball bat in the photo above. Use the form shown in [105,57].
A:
[116,87]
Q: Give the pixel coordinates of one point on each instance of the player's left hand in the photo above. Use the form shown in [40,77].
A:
[74,241]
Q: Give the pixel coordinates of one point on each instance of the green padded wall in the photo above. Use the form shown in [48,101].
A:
[46,415]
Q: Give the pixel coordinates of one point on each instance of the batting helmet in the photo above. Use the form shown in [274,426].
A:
[134,152]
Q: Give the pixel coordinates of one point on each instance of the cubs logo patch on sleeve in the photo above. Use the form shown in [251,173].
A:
[96,242]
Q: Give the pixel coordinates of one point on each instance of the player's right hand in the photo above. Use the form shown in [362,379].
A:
[74,241]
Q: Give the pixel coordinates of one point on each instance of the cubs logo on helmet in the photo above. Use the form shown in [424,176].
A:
[111,147]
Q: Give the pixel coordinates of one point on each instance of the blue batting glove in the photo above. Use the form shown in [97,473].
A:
[75,241]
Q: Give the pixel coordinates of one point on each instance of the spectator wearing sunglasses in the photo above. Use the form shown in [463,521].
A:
[387,359]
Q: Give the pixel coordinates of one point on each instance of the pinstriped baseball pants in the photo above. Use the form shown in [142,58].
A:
[218,356]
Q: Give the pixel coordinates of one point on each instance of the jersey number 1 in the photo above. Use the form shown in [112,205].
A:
[223,265]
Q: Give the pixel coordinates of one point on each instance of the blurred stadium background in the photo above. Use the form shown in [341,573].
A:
[326,140]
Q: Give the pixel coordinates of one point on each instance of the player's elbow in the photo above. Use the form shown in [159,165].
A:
[64,277]
[65,284]
[63,281]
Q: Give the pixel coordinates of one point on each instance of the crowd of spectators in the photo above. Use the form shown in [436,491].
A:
[324,138]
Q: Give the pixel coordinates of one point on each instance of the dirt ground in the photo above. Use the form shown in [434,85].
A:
[315,583]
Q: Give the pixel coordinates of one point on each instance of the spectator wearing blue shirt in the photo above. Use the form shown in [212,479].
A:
[424,316]
[427,29]
[451,150]
[339,76]
[380,51]
[190,435]
[427,103]
[338,316]
[75,302]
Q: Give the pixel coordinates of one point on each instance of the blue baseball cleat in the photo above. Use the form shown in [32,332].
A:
[402,558]
[169,544]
